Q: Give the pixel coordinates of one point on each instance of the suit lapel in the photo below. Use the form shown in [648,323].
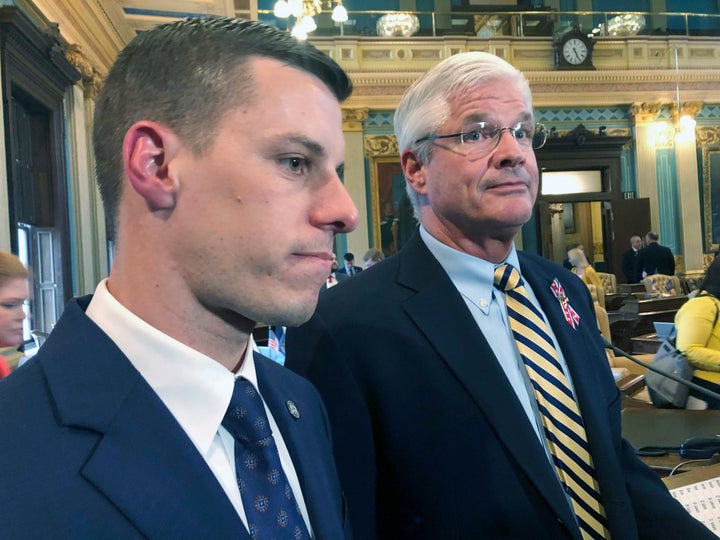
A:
[142,462]
[307,441]
[457,339]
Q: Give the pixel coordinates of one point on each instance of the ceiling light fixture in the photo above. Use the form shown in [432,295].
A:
[304,11]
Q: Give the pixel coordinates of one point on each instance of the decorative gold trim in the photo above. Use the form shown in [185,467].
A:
[690,108]
[709,137]
[645,112]
[375,193]
[353,118]
[91,78]
[381,145]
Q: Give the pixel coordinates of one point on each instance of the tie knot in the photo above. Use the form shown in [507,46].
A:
[245,418]
[507,278]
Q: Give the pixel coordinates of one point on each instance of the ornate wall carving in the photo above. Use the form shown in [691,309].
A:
[381,145]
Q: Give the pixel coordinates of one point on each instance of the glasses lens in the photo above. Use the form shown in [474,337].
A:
[539,137]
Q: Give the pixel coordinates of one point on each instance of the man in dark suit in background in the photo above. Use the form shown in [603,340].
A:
[349,268]
[334,277]
[654,258]
[628,260]
[440,429]
[120,426]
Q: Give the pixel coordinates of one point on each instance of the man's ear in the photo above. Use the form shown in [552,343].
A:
[414,171]
[148,148]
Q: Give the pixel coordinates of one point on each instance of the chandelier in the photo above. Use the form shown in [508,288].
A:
[305,10]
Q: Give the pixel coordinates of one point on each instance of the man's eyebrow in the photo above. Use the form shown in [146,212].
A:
[475,118]
[311,145]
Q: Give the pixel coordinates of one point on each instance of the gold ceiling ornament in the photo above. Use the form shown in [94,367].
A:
[304,12]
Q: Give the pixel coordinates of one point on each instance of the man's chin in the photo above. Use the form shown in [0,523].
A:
[295,314]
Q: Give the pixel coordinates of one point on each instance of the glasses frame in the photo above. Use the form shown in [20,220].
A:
[540,130]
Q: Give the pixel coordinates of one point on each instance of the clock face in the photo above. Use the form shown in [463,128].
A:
[575,51]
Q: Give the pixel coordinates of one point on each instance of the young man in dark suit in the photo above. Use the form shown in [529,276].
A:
[349,268]
[218,144]
[449,420]
[629,260]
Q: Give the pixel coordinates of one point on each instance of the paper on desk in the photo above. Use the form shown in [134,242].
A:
[702,501]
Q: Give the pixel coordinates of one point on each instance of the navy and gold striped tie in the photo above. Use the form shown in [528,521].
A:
[561,419]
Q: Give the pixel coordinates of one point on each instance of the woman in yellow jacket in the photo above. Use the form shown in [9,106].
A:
[584,269]
[698,337]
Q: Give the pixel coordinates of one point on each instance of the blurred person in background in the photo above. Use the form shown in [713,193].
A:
[372,256]
[583,269]
[14,292]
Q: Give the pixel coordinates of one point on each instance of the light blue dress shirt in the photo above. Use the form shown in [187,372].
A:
[473,278]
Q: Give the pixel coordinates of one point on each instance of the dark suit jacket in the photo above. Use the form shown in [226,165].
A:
[655,259]
[89,450]
[430,440]
[628,265]
[343,271]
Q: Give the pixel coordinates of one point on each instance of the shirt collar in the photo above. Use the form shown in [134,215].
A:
[473,277]
[194,387]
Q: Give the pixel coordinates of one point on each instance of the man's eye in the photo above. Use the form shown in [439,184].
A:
[10,305]
[473,136]
[297,165]
[523,132]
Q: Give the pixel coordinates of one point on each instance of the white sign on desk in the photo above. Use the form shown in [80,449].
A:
[702,501]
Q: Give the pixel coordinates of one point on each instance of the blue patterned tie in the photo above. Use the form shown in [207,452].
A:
[270,506]
[561,419]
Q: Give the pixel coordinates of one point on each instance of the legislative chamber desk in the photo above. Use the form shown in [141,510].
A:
[645,344]
[636,315]
[646,427]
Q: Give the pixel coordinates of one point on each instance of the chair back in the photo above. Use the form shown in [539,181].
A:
[663,284]
[609,282]
[598,294]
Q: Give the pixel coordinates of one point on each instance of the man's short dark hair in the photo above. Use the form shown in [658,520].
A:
[186,75]
[349,257]
[653,236]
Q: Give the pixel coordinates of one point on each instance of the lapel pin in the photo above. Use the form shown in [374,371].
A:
[292,409]
[571,316]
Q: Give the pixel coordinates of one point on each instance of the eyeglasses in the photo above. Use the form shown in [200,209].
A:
[482,138]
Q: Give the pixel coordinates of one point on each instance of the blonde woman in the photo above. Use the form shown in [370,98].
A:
[583,269]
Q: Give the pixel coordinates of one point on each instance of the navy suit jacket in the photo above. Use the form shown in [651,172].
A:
[629,267]
[343,271]
[430,439]
[89,451]
[654,259]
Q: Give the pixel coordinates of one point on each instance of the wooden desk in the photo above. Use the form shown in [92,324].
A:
[645,344]
[630,288]
[664,465]
[614,302]
[699,473]
[636,317]
[645,426]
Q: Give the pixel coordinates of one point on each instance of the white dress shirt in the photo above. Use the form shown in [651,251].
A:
[195,388]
